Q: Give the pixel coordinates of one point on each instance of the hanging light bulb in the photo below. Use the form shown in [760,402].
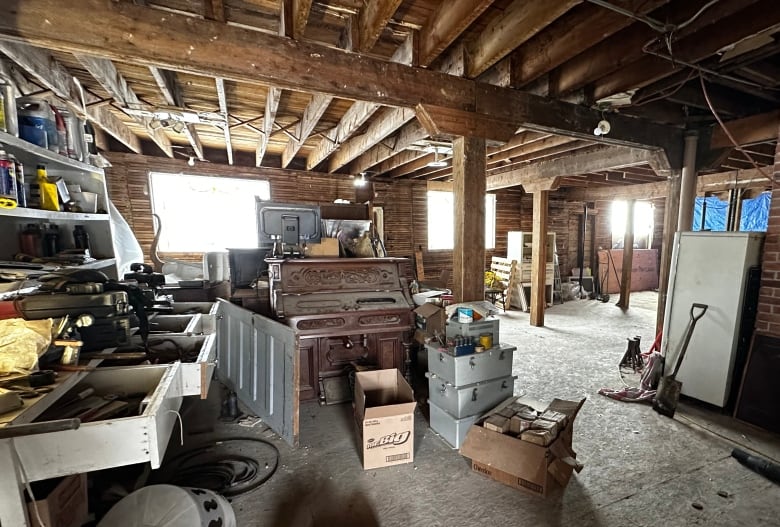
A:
[191,161]
[436,161]
[361,181]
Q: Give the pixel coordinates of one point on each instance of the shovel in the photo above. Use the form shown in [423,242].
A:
[665,401]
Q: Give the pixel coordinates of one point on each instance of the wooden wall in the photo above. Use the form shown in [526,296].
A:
[404,203]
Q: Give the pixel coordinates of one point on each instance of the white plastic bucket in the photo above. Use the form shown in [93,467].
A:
[465,315]
[170,506]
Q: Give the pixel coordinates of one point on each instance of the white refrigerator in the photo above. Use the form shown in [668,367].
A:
[708,268]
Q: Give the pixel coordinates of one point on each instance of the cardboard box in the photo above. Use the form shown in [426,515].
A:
[384,411]
[327,247]
[532,468]
[429,319]
[63,506]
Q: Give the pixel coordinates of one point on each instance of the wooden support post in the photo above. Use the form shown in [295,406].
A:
[628,257]
[539,258]
[468,258]
[671,209]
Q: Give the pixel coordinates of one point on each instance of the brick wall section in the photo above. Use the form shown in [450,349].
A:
[768,319]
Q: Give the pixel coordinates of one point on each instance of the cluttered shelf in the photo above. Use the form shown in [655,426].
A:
[32,154]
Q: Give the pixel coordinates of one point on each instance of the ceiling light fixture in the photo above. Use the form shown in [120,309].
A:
[191,161]
[436,161]
[602,128]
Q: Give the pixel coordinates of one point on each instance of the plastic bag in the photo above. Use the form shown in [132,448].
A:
[22,342]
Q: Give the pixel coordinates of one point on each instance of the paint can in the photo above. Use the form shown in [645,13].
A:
[486,340]
[465,315]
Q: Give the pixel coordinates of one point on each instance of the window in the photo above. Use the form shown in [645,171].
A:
[643,224]
[205,213]
[441,220]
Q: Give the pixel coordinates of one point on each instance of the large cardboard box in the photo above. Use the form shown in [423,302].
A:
[384,411]
[60,503]
[327,247]
[532,468]
[429,319]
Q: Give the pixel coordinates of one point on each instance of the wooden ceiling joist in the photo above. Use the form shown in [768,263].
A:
[519,22]
[171,92]
[295,16]
[691,49]
[392,120]
[409,134]
[52,75]
[185,43]
[223,109]
[446,24]
[372,20]
[311,116]
[592,160]
[271,106]
[214,10]
[564,38]
[753,129]
[105,73]
[352,120]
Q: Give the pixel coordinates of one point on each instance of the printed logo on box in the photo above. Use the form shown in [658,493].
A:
[393,439]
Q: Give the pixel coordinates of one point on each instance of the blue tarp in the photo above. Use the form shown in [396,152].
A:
[755,214]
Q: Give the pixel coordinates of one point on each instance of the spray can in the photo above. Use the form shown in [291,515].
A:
[21,195]
[7,182]
[9,121]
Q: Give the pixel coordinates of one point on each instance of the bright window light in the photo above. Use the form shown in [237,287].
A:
[643,222]
[206,213]
[441,220]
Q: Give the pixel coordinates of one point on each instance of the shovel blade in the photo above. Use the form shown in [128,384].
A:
[667,396]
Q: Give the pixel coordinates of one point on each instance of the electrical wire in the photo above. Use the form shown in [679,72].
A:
[726,130]
[653,23]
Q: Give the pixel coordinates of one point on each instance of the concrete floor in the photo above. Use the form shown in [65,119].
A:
[640,468]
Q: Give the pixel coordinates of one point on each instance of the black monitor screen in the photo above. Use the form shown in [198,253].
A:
[290,223]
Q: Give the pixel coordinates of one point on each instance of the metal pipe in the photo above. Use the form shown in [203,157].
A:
[688,185]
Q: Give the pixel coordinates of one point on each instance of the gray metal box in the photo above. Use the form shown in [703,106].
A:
[462,401]
[468,369]
[473,329]
[451,429]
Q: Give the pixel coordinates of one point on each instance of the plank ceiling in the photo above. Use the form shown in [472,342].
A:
[670,62]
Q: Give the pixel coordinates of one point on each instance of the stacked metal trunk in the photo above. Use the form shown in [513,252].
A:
[462,388]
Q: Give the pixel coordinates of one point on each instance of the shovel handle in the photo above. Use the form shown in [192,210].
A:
[696,306]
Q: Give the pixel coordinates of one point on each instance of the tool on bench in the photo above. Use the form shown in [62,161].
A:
[11,431]
[668,394]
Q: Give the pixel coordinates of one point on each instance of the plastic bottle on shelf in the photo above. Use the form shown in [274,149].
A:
[21,195]
[9,121]
[51,240]
[81,238]
[30,240]
[8,193]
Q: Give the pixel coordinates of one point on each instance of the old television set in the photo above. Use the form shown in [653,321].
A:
[288,226]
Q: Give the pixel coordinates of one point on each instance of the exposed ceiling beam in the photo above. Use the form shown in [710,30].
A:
[311,116]
[753,129]
[691,49]
[519,22]
[353,119]
[223,109]
[418,160]
[399,161]
[106,74]
[446,24]
[373,18]
[214,10]
[53,76]
[625,47]
[187,44]
[409,134]
[446,122]
[593,160]
[377,130]
[585,25]
[295,16]
[171,92]
[272,99]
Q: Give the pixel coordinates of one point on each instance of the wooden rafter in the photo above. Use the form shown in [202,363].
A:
[591,160]
[294,17]
[409,134]
[223,109]
[372,20]
[186,43]
[214,10]
[519,22]
[753,129]
[272,99]
[52,75]
[171,92]
[692,49]
[311,116]
[105,73]
[446,24]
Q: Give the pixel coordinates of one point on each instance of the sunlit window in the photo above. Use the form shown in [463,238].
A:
[441,220]
[643,223]
[206,213]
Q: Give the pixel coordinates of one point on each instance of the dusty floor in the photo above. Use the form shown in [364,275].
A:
[640,468]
